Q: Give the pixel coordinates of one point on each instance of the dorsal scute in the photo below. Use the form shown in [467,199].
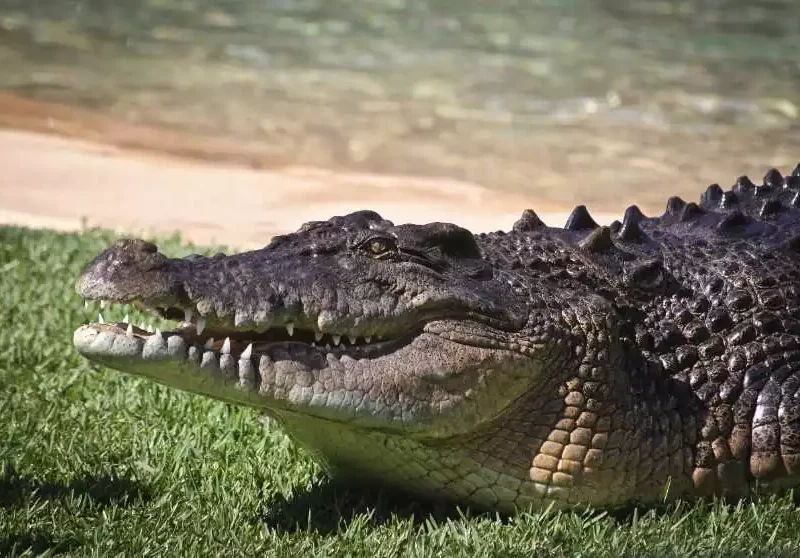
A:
[529,221]
[746,209]
[770,210]
[630,231]
[597,240]
[712,196]
[580,220]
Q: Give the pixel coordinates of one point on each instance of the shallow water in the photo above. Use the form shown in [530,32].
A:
[592,102]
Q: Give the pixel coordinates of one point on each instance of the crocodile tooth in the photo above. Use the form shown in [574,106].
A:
[247,353]
[87,305]
[204,307]
[176,346]
[129,331]
[352,339]
[325,320]
[247,373]
[209,360]
[228,366]
[242,319]
[263,367]
[201,325]
[100,319]
[194,355]
[154,345]
[188,314]
[156,337]
[103,304]
[126,319]
[209,344]
[226,346]
[290,329]
[336,339]
[317,335]
[368,339]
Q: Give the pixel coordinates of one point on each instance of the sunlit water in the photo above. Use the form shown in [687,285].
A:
[569,101]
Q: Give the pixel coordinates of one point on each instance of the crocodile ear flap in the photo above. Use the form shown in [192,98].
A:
[453,240]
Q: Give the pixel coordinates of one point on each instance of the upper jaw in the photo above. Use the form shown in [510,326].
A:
[204,294]
[250,298]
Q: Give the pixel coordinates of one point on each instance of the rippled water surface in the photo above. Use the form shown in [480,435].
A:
[568,101]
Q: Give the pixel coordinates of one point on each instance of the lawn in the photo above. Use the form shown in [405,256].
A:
[95,463]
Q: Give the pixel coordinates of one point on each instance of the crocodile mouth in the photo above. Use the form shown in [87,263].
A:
[197,339]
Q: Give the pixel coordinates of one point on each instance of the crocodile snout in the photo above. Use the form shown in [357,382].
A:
[131,269]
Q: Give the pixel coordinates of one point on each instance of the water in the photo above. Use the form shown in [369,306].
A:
[567,101]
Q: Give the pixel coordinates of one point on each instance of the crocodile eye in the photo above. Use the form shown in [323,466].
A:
[380,247]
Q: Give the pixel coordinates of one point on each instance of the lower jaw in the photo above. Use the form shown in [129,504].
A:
[278,377]
[232,369]
[166,358]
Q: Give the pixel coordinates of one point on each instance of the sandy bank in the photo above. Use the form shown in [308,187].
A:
[62,183]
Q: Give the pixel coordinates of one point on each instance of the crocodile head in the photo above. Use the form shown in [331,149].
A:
[352,321]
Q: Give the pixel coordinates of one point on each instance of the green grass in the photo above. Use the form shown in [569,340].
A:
[95,463]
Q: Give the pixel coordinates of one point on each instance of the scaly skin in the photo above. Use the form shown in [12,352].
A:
[655,358]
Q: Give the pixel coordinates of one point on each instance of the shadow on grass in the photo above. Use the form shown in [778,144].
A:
[627,516]
[16,544]
[103,490]
[330,506]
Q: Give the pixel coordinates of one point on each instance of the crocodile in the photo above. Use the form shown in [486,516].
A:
[652,359]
